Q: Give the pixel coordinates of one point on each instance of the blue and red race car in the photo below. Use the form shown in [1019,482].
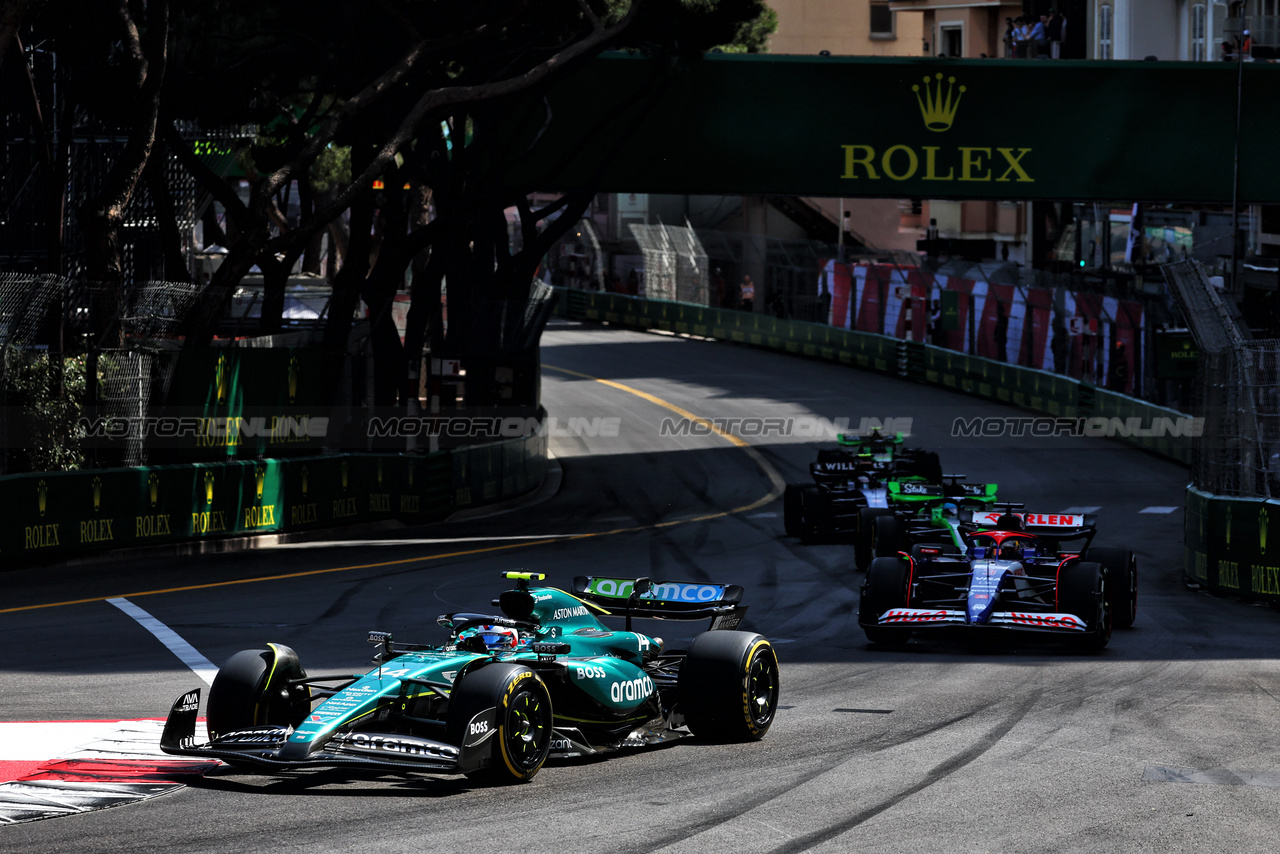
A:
[1031,572]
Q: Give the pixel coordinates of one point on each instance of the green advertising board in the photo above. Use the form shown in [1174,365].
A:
[1176,354]
[899,128]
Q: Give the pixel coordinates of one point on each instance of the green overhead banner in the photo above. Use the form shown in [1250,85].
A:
[895,128]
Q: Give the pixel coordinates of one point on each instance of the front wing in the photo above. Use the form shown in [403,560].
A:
[268,747]
[923,618]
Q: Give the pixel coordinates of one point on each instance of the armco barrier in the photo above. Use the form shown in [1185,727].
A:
[1161,431]
[1233,544]
[60,512]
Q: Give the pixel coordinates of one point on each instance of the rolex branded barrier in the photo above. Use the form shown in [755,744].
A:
[59,512]
[1233,544]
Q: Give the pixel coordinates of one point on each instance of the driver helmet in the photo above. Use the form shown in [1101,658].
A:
[950,509]
[493,637]
[1012,549]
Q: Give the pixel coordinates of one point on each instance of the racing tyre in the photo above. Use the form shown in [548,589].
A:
[815,512]
[885,588]
[793,509]
[505,711]
[1082,590]
[1122,583]
[888,538]
[253,689]
[728,686]
[864,546]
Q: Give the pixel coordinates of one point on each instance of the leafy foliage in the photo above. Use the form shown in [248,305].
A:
[49,420]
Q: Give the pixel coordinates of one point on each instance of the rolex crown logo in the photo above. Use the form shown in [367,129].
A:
[42,496]
[259,477]
[938,106]
[153,486]
[97,494]
[208,487]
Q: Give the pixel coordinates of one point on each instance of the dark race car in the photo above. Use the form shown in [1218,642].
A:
[850,479]
[546,679]
[1013,574]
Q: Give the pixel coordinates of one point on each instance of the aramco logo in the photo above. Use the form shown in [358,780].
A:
[936,106]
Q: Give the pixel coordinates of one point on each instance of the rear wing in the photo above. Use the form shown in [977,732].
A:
[837,470]
[913,491]
[667,600]
[1048,526]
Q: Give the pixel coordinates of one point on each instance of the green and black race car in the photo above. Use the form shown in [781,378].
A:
[919,511]
[849,479]
[545,679]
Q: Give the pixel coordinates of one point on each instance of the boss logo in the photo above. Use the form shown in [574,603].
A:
[479,727]
[589,672]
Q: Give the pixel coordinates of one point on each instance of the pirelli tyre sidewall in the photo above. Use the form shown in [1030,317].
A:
[1082,590]
[885,588]
[255,688]
[500,717]
[1122,583]
[728,686]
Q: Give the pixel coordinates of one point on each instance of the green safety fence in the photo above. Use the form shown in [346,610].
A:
[59,512]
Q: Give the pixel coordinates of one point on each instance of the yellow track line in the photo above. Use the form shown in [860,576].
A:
[776,480]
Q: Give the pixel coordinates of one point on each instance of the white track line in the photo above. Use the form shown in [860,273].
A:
[187,654]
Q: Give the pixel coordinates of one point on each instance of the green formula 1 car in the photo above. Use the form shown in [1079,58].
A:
[546,679]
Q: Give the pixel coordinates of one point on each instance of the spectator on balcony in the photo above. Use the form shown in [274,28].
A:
[1056,31]
[1039,39]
